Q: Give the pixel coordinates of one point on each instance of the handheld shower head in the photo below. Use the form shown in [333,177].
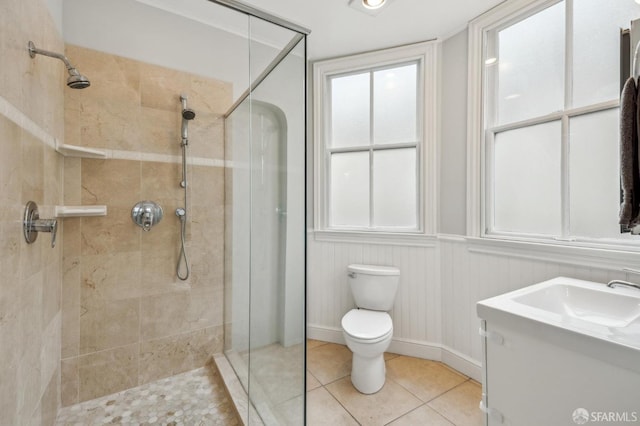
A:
[75,80]
[188,114]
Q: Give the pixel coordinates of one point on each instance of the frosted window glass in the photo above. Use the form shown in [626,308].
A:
[394,104]
[527,180]
[394,188]
[350,189]
[531,66]
[594,175]
[596,46]
[350,99]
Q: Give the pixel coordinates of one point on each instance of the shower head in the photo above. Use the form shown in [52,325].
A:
[75,80]
[188,114]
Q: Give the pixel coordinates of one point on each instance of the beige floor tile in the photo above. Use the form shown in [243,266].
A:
[279,371]
[314,343]
[389,356]
[391,402]
[460,405]
[312,382]
[422,416]
[329,362]
[425,379]
[290,412]
[323,409]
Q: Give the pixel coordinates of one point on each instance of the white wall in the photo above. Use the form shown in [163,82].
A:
[453,132]
[417,311]
[137,31]
[434,315]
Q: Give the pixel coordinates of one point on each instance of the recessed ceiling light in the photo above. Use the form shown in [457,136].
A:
[371,7]
[373,4]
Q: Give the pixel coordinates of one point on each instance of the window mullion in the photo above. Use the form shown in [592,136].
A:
[491,72]
[565,123]
[371,102]
[376,147]
[568,56]
[489,183]
[327,142]
[555,116]
[565,200]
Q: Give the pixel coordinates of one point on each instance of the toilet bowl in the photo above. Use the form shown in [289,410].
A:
[368,335]
[368,329]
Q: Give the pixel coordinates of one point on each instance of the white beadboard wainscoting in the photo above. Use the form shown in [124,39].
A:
[434,315]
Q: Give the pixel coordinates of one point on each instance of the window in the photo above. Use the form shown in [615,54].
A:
[374,133]
[544,130]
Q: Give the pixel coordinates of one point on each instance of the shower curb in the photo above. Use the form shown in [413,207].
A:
[236,392]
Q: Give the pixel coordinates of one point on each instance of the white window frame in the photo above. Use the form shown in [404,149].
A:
[425,54]
[478,139]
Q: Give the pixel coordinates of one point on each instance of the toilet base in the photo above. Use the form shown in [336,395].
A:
[368,374]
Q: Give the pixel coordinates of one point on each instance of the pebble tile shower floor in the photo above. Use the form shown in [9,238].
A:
[197,397]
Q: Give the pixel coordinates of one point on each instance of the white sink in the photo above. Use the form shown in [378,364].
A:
[583,317]
[602,306]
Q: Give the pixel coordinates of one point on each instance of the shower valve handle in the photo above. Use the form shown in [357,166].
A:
[32,224]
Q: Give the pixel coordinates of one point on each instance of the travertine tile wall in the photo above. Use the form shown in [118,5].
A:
[126,318]
[31,118]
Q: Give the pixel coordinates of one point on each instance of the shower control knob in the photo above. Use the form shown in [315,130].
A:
[32,224]
[146,214]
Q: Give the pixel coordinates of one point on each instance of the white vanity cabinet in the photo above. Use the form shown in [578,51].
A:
[531,381]
[537,372]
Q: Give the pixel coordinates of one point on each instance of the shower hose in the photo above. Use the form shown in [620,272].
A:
[183,254]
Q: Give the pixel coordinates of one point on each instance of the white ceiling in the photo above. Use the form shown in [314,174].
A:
[211,40]
[337,29]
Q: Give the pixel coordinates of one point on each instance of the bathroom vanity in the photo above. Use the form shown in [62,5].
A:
[562,352]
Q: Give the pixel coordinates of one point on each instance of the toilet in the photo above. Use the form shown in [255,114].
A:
[368,328]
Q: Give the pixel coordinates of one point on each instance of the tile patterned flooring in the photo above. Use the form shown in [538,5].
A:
[194,398]
[416,392]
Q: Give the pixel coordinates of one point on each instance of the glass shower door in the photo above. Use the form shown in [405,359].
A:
[265,241]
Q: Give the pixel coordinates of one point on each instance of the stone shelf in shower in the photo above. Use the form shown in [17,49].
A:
[80,211]
[80,151]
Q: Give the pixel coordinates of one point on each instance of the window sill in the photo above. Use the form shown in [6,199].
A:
[573,253]
[374,237]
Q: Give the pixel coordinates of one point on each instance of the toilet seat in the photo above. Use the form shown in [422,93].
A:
[367,326]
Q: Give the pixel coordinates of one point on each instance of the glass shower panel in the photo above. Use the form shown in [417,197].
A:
[237,243]
[265,229]
[277,230]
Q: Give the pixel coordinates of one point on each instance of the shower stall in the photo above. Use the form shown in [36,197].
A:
[231,164]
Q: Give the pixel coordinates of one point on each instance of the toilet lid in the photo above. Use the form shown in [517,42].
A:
[365,324]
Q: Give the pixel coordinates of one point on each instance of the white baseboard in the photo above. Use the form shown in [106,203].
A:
[417,349]
[325,334]
[462,363]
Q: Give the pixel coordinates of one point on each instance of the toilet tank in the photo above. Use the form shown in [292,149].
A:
[373,287]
